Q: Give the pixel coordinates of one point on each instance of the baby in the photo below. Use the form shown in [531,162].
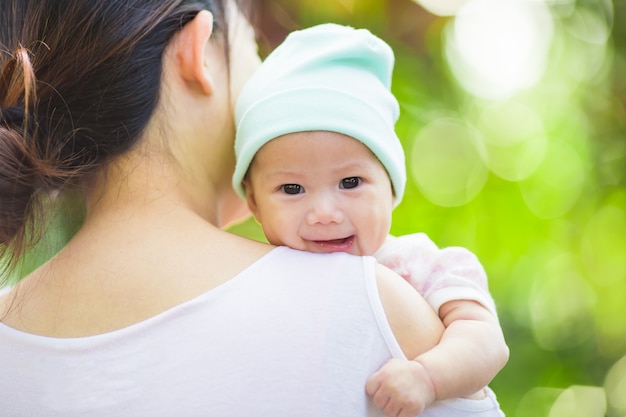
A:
[322,169]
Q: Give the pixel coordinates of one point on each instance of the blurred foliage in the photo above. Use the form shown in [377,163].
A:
[515,149]
[513,121]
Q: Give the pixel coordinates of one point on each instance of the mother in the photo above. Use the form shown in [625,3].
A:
[152,309]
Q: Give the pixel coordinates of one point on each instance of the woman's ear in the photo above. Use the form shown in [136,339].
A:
[191,51]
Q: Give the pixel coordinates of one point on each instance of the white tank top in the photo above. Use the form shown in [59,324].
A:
[295,334]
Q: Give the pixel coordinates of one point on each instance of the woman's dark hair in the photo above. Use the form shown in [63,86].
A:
[79,80]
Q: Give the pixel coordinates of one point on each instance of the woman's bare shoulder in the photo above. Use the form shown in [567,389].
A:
[111,289]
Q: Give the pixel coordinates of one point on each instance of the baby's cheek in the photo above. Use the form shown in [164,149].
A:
[273,235]
[381,237]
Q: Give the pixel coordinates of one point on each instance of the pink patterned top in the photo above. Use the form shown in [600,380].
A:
[440,275]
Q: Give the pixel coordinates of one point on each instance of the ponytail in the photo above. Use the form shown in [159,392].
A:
[20,166]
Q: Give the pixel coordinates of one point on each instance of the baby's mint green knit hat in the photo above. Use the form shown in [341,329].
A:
[327,77]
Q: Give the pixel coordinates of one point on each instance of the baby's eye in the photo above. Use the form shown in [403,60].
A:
[351,182]
[292,188]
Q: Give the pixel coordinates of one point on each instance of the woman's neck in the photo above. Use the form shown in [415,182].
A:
[136,185]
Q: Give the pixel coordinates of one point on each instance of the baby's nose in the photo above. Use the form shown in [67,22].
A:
[325,211]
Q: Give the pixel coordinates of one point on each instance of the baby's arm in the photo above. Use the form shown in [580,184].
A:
[417,330]
[472,350]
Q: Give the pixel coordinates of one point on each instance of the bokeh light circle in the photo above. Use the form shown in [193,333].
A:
[604,246]
[514,139]
[554,188]
[615,385]
[496,48]
[447,163]
[561,304]
[537,402]
[580,401]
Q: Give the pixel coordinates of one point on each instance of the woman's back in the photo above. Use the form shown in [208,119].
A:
[294,331]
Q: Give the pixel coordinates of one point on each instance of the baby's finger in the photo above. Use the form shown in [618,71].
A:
[373,384]
[407,412]
[411,409]
[392,409]
[381,399]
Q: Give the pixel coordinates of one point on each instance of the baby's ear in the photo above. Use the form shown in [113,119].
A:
[251,198]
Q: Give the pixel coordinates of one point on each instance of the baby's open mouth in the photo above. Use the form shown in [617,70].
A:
[335,245]
[333,241]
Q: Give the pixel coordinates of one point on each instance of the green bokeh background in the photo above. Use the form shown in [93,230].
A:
[532,182]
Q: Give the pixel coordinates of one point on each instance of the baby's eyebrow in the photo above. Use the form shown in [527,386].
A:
[360,165]
[282,173]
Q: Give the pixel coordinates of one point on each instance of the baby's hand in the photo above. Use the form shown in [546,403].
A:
[401,388]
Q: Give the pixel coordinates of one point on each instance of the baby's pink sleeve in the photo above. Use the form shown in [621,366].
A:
[440,275]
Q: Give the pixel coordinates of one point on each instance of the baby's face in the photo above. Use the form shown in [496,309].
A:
[321,192]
